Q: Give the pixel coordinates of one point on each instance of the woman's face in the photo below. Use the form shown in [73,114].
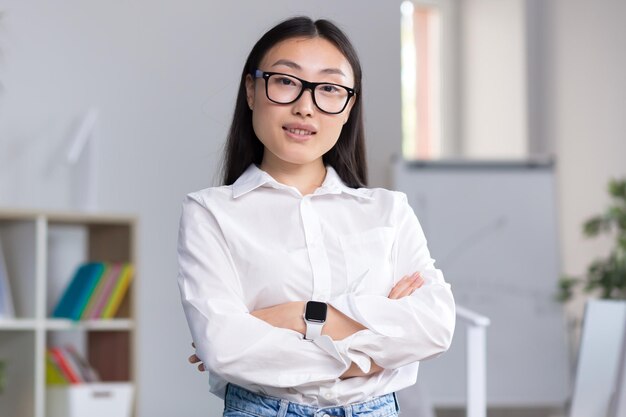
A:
[299,133]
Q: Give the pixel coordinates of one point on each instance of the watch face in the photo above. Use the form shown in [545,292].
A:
[316,311]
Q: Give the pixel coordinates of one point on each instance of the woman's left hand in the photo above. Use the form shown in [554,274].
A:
[194,359]
[406,286]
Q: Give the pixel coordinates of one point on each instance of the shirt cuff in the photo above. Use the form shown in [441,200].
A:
[341,351]
[345,346]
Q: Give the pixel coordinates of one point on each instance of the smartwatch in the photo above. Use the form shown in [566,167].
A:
[314,317]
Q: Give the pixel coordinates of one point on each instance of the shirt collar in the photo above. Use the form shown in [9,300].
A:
[254,177]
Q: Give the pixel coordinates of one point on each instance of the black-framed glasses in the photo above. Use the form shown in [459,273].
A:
[285,89]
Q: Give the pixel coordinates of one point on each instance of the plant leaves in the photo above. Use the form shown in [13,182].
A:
[607,274]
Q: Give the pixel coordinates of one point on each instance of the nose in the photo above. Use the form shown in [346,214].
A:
[304,106]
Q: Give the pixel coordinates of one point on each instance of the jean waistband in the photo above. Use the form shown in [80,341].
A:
[264,405]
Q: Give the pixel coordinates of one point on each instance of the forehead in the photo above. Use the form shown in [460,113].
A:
[313,55]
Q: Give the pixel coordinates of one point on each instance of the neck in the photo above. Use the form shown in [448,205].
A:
[305,177]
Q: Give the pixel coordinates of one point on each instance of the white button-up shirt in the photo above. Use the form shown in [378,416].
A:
[258,243]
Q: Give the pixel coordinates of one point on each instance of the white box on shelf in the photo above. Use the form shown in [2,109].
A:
[103,399]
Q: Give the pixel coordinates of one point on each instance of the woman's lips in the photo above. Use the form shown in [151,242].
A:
[297,133]
[301,132]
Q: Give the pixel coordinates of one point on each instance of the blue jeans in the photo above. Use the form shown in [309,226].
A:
[240,402]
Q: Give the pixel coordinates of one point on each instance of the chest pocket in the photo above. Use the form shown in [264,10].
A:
[369,260]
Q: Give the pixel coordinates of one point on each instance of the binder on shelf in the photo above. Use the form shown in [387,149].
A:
[87,372]
[83,298]
[109,285]
[109,274]
[7,310]
[64,365]
[78,291]
[60,359]
[119,292]
[54,374]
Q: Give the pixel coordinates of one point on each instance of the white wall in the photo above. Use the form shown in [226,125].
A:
[163,76]
[493,79]
[586,86]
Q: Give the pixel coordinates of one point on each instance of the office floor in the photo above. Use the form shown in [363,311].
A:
[504,412]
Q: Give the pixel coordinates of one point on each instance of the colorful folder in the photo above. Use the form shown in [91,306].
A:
[79,290]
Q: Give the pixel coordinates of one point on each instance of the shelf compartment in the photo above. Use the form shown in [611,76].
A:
[18,354]
[19,247]
[107,351]
[71,244]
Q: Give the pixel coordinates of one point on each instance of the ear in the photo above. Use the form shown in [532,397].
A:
[250,91]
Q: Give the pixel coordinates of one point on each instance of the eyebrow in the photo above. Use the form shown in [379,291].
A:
[295,66]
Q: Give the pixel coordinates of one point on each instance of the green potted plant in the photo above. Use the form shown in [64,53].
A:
[606,275]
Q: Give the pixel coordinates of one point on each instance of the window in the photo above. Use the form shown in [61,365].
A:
[465,79]
[421,80]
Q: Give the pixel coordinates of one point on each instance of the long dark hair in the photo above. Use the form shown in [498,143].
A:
[243,147]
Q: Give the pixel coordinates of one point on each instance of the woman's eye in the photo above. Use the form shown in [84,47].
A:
[329,88]
[285,81]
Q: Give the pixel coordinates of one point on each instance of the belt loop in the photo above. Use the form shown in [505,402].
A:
[395,399]
[348,410]
[284,406]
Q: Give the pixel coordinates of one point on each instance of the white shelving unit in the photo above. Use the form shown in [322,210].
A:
[42,251]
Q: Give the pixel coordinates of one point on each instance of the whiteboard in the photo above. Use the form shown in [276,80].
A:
[599,358]
[492,229]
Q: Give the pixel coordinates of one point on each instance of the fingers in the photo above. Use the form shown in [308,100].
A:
[406,286]
[401,286]
[419,282]
[194,359]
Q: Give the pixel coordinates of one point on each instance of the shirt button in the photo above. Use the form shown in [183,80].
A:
[328,395]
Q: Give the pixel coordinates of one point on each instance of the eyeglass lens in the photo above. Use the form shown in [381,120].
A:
[285,89]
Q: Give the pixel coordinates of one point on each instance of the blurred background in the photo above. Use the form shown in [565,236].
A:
[514,82]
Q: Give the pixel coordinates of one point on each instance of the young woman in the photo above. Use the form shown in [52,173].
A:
[306,293]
